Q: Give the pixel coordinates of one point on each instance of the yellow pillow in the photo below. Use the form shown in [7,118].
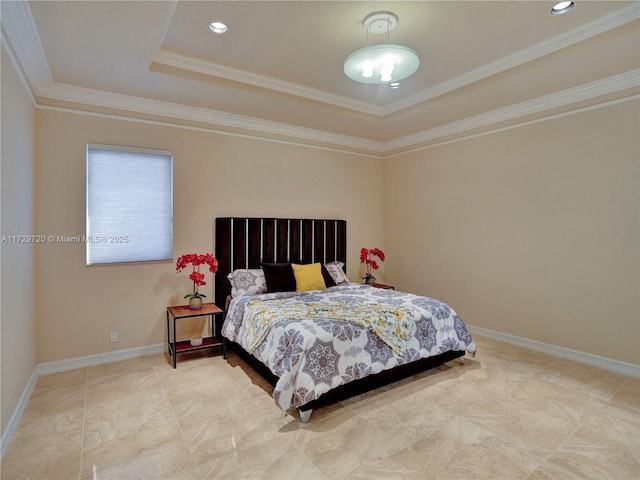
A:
[308,277]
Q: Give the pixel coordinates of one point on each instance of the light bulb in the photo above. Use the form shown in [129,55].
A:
[367,68]
[218,27]
[388,63]
[562,7]
[386,71]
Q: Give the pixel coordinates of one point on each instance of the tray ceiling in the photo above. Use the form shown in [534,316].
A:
[278,71]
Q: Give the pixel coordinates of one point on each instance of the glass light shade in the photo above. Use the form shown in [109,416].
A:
[390,63]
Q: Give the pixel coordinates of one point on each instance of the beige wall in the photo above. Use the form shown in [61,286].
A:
[532,232]
[17,315]
[214,175]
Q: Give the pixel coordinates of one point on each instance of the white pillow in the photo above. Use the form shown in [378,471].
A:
[336,272]
[247,281]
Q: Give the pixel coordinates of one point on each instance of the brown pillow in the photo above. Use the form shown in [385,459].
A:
[279,277]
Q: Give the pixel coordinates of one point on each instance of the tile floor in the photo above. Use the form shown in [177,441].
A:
[510,413]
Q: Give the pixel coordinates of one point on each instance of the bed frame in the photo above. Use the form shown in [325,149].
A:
[247,242]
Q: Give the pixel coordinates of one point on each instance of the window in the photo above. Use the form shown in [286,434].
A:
[129,205]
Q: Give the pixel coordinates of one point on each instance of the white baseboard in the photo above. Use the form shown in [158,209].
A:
[616,366]
[11,427]
[64,366]
[609,364]
[99,359]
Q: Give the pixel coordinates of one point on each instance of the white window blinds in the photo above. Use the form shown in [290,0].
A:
[129,205]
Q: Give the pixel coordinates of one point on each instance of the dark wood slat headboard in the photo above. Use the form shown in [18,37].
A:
[246,242]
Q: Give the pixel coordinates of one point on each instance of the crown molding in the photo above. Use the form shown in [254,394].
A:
[190,64]
[580,34]
[22,35]
[13,58]
[597,27]
[78,95]
[20,32]
[615,83]
[97,98]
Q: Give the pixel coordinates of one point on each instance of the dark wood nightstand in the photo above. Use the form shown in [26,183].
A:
[382,285]
[179,312]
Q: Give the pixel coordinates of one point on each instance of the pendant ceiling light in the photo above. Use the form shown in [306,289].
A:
[381,63]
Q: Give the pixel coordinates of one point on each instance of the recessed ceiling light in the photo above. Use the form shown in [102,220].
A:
[562,7]
[218,27]
[395,85]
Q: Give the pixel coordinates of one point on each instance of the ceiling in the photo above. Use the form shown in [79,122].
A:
[278,72]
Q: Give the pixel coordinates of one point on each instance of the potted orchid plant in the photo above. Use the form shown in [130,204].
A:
[196,260]
[368,256]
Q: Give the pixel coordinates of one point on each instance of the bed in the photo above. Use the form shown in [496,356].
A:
[321,345]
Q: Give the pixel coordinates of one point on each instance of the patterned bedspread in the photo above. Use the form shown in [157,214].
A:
[389,322]
[313,356]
